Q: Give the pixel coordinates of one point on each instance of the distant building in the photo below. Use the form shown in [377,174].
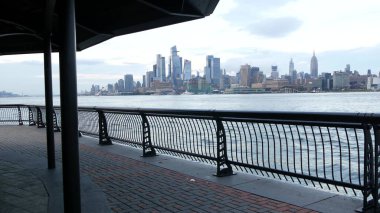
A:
[160,68]
[373,83]
[128,81]
[245,76]
[186,70]
[358,82]
[291,67]
[144,81]
[341,80]
[313,84]
[203,86]
[207,71]
[347,69]
[149,79]
[327,82]
[275,84]
[175,67]
[213,66]
[116,87]
[292,72]
[274,74]
[121,85]
[314,66]
[110,88]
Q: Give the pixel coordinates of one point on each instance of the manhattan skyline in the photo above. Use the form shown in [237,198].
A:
[269,33]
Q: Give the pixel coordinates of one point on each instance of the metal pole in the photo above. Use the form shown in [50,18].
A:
[49,102]
[69,105]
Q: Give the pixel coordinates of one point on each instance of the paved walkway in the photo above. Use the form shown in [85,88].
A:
[21,191]
[129,185]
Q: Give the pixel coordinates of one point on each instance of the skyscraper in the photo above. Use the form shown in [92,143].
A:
[314,66]
[121,87]
[291,67]
[160,68]
[149,79]
[128,80]
[175,67]
[213,66]
[207,71]
[292,72]
[186,70]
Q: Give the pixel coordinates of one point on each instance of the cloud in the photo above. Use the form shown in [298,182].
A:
[244,11]
[275,27]
[89,61]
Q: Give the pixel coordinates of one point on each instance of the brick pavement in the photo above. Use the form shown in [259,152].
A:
[135,186]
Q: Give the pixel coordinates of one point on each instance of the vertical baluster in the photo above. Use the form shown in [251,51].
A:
[104,139]
[368,167]
[148,149]
[222,160]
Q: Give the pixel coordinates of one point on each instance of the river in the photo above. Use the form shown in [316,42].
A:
[365,102]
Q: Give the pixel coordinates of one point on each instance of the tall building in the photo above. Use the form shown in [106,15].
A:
[213,66]
[121,86]
[314,66]
[245,75]
[128,81]
[207,71]
[292,72]
[149,79]
[274,74]
[291,67]
[160,68]
[110,88]
[175,67]
[186,70]
[144,81]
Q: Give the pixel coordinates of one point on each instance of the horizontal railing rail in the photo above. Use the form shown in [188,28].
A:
[337,151]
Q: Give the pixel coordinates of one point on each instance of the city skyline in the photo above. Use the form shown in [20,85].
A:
[270,33]
[249,79]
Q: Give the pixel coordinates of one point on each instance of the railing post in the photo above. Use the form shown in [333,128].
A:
[104,139]
[31,119]
[19,116]
[148,149]
[368,169]
[40,122]
[223,166]
[375,194]
[55,122]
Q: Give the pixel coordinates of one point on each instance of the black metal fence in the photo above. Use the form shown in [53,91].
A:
[336,151]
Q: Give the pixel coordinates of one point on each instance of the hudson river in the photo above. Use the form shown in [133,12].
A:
[305,102]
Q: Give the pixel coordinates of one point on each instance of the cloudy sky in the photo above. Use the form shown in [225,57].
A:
[260,33]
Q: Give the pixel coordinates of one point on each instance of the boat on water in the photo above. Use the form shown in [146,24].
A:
[187,93]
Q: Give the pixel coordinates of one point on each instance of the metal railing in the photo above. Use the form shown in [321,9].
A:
[336,151]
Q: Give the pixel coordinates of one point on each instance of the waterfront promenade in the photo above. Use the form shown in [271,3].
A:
[116,179]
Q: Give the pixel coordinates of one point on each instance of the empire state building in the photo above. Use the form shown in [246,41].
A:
[314,66]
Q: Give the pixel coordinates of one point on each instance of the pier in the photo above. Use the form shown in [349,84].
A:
[160,160]
[117,179]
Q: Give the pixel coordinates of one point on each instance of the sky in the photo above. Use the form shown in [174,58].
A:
[259,33]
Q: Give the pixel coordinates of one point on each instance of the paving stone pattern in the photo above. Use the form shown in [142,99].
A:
[135,186]
[20,191]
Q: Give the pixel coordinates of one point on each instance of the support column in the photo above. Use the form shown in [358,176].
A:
[49,102]
[69,107]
